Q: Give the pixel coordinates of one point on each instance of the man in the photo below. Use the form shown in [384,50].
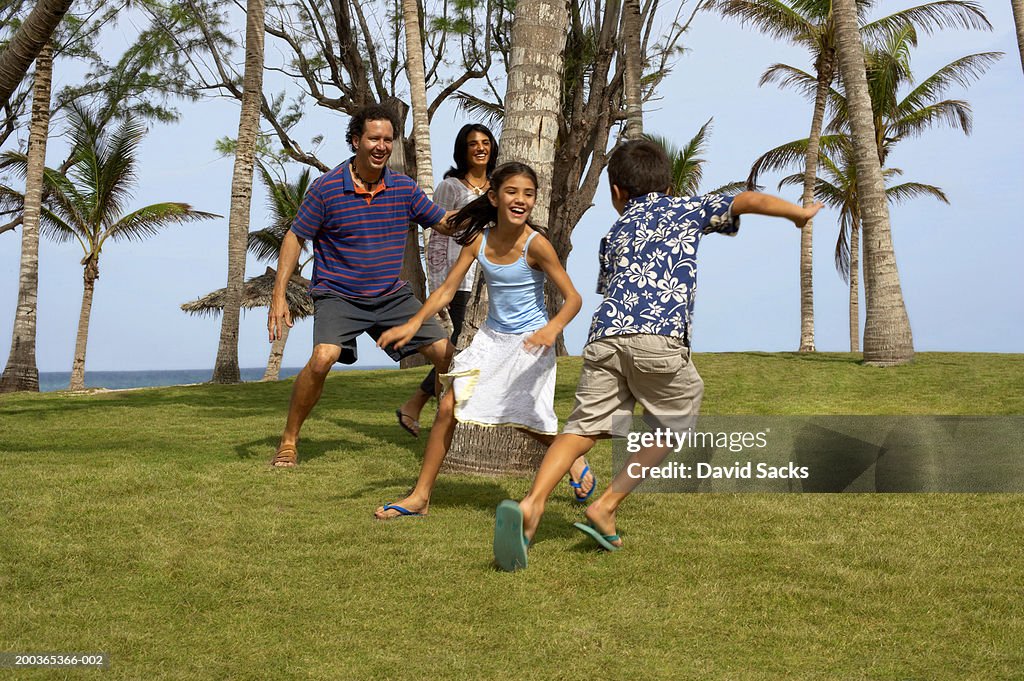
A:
[357,216]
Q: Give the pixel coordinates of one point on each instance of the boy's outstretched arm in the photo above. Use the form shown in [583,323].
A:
[766,204]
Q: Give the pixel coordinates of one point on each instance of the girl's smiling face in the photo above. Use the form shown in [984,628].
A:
[514,200]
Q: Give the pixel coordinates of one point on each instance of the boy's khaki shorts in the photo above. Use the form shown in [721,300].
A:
[619,371]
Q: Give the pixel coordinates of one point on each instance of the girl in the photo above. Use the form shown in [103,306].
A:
[507,375]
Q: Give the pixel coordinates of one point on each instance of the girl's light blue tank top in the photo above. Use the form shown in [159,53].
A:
[515,292]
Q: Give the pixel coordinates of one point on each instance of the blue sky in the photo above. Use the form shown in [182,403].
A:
[959,264]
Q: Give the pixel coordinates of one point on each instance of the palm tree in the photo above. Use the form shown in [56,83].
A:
[838,190]
[811,24]
[688,164]
[532,104]
[887,337]
[283,200]
[86,205]
[21,372]
[1018,20]
[632,52]
[894,118]
[28,41]
[225,368]
[418,96]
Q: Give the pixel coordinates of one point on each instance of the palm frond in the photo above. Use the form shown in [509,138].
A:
[730,188]
[962,71]
[117,170]
[265,243]
[912,190]
[790,77]
[492,114]
[53,227]
[774,18]
[148,221]
[951,112]
[930,17]
[792,155]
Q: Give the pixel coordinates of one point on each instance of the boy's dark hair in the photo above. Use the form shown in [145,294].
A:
[640,167]
[373,112]
[477,214]
[461,166]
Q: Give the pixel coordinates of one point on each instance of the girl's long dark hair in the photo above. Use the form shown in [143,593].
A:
[478,214]
[460,154]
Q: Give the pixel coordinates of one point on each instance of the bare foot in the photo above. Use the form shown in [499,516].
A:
[582,492]
[414,505]
[602,521]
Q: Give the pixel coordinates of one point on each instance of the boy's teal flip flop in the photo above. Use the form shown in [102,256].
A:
[509,542]
[603,540]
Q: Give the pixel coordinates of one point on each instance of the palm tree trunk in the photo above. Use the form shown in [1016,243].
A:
[887,336]
[855,284]
[1018,19]
[533,96]
[89,277]
[225,369]
[826,71]
[633,53]
[273,371]
[21,372]
[28,42]
[532,105]
[418,96]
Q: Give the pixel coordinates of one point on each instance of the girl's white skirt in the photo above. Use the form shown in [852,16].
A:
[497,382]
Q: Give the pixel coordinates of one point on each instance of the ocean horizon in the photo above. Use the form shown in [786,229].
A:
[50,381]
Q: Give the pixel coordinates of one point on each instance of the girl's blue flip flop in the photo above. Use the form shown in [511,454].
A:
[579,485]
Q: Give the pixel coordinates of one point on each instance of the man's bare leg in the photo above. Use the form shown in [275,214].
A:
[309,385]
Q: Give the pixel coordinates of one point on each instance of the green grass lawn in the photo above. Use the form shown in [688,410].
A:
[147,524]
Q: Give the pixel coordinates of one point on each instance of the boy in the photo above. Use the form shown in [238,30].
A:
[638,349]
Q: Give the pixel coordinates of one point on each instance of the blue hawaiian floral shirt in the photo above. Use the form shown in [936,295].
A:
[648,262]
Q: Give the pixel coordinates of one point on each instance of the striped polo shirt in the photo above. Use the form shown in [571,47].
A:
[359,237]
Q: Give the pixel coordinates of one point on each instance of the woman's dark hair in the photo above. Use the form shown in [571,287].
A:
[373,112]
[479,213]
[460,154]
[640,167]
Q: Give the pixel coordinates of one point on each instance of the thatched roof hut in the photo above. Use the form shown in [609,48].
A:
[257,292]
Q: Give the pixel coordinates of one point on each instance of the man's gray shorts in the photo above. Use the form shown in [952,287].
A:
[339,321]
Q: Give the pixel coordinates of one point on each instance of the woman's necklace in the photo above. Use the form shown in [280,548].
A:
[369,185]
[479,191]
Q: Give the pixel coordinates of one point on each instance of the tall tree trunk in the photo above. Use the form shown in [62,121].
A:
[225,369]
[28,42]
[89,277]
[533,95]
[825,71]
[21,372]
[855,284]
[418,96]
[532,104]
[273,371]
[887,336]
[633,52]
[1018,19]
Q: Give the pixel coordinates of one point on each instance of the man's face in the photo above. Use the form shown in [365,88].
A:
[373,147]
